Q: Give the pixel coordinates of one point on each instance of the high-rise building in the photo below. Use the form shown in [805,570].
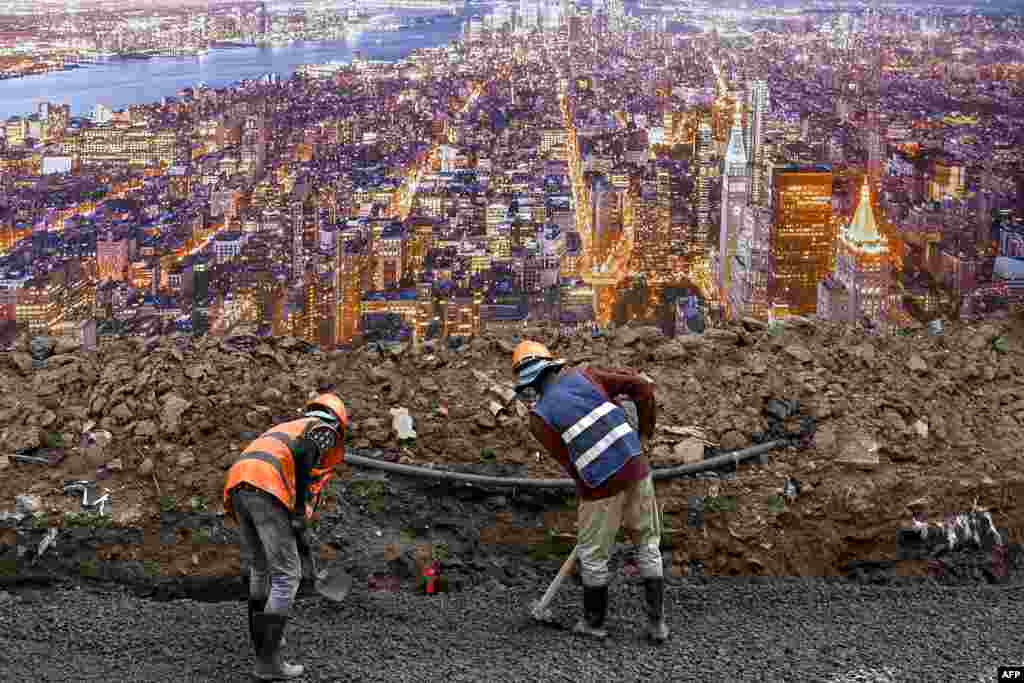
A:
[705,174]
[802,236]
[861,285]
[757,101]
[735,188]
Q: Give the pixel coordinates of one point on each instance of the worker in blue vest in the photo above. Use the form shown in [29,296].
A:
[580,425]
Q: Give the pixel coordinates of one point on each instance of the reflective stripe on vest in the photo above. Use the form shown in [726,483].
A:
[596,432]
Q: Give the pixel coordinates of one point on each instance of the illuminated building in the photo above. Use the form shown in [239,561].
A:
[353,276]
[112,254]
[862,282]
[39,306]
[705,173]
[392,256]
[302,227]
[735,186]
[757,101]
[802,236]
[947,181]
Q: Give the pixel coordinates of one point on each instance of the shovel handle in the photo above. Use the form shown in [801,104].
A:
[556,583]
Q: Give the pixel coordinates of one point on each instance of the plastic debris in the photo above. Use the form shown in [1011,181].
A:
[402,423]
[90,503]
[48,540]
[791,489]
[27,505]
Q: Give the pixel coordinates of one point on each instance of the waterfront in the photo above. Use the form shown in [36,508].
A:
[120,83]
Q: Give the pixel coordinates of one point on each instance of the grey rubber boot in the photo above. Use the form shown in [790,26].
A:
[595,607]
[269,665]
[657,630]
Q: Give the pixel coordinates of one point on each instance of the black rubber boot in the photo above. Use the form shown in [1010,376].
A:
[255,607]
[269,665]
[657,630]
[595,608]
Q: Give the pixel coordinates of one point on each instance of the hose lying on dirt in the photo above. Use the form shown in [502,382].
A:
[518,482]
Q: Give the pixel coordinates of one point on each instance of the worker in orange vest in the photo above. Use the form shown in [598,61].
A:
[579,422]
[271,491]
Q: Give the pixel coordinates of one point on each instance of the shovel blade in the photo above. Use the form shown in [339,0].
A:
[334,585]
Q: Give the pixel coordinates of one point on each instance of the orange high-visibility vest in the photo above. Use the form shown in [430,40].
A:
[268,463]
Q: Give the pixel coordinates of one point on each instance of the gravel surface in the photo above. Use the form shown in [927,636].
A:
[723,630]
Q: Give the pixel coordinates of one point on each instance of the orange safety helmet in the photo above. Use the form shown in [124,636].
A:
[529,360]
[331,404]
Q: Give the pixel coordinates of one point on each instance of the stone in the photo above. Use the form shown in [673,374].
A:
[753,324]
[921,427]
[733,440]
[22,361]
[170,417]
[689,452]
[146,467]
[859,450]
[894,420]
[917,364]
[722,336]
[271,395]
[186,460]
[115,465]
[798,353]
[486,421]
[255,418]
[122,413]
[22,438]
[5,462]
[145,429]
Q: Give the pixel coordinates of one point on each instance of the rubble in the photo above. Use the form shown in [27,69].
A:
[919,405]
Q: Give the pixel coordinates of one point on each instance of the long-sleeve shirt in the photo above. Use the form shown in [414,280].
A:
[613,383]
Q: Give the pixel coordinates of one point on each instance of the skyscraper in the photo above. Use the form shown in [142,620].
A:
[705,172]
[860,287]
[802,236]
[735,187]
[757,101]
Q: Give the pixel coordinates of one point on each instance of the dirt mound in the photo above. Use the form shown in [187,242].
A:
[907,424]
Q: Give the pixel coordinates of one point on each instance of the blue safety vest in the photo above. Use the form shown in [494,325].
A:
[595,430]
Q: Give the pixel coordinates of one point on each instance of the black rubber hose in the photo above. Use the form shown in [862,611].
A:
[520,482]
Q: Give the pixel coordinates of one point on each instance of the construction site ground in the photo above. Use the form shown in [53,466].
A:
[919,429]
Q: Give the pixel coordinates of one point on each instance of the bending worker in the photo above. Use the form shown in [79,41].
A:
[271,491]
[579,424]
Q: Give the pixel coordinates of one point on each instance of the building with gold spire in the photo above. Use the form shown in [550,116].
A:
[861,285]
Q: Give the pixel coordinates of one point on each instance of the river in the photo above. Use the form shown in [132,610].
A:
[119,83]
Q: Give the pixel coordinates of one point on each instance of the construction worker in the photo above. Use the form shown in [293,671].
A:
[578,422]
[271,491]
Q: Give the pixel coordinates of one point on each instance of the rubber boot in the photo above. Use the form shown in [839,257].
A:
[255,608]
[269,665]
[595,607]
[657,630]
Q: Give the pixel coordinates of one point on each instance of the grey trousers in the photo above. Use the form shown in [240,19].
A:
[267,536]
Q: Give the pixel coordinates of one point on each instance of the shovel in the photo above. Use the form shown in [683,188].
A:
[333,585]
[540,610]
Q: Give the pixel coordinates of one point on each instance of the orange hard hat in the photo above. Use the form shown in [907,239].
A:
[527,352]
[332,404]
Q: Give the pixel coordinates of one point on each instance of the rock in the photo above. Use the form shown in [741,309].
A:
[921,427]
[122,413]
[917,364]
[255,418]
[722,336]
[799,353]
[22,361]
[753,324]
[486,421]
[66,345]
[859,450]
[864,351]
[145,429]
[895,421]
[170,417]
[115,465]
[402,423]
[733,440]
[20,438]
[146,467]
[27,505]
[271,395]
[185,460]
[5,462]
[689,452]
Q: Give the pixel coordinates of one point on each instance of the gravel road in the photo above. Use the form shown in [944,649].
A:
[722,631]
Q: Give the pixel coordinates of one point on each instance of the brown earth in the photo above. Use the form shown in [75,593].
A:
[905,424]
